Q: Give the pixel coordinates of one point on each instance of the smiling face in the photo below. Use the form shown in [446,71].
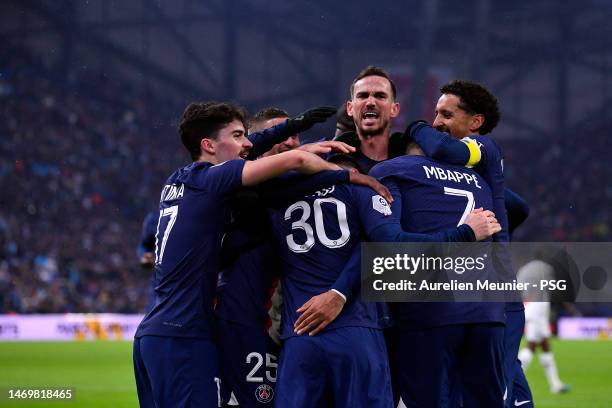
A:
[231,142]
[455,121]
[372,106]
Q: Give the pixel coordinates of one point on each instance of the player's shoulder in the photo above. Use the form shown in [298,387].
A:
[484,141]
[199,174]
[399,166]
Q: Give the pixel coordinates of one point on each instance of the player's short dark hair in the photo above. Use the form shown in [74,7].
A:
[203,120]
[345,160]
[343,121]
[475,99]
[371,70]
[271,112]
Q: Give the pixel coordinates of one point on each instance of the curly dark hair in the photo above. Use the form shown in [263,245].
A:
[371,70]
[202,120]
[475,99]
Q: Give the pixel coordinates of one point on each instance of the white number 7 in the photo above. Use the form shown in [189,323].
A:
[462,193]
[159,250]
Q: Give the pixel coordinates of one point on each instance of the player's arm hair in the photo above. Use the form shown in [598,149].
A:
[287,187]
[445,148]
[517,208]
[258,171]
[266,139]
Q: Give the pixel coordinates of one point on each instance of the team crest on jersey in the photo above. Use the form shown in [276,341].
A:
[264,393]
[381,205]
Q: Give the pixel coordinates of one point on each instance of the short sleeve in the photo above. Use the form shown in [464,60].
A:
[224,177]
[374,210]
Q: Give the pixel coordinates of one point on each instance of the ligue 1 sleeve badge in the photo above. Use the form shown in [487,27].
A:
[264,393]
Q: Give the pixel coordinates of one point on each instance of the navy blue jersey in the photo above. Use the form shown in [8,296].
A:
[246,282]
[194,211]
[491,168]
[246,286]
[433,197]
[481,152]
[147,236]
[316,237]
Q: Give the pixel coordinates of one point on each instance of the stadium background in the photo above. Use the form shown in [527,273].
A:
[91,92]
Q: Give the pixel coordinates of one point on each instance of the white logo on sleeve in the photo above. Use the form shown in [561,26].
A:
[518,404]
[381,205]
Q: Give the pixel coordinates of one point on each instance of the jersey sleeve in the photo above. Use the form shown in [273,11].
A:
[349,280]
[147,237]
[266,139]
[392,231]
[445,148]
[225,177]
[373,209]
[517,208]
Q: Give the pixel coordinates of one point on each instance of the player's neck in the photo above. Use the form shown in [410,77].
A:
[375,147]
[207,158]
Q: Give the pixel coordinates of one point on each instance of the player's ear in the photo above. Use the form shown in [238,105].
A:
[476,122]
[395,109]
[349,108]
[207,146]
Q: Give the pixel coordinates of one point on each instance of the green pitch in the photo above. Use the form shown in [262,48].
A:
[101,373]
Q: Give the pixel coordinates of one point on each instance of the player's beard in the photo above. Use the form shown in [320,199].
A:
[374,131]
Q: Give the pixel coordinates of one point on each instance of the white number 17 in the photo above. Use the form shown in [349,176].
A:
[159,249]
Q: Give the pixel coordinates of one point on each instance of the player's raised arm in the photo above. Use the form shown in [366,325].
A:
[255,172]
[265,139]
[443,147]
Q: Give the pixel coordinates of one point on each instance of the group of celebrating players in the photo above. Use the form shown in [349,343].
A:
[260,229]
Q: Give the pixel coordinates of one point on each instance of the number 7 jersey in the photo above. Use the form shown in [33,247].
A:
[433,197]
[315,237]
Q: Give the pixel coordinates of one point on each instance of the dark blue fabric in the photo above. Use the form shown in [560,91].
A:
[195,211]
[241,349]
[342,368]
[176,372]
[421,185]
[424,362]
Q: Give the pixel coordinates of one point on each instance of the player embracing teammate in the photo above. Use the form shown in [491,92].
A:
[334,353]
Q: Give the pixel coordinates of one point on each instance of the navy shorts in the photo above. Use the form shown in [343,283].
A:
[248,361]
[427,362]
[176,372]
[518,389]
[344,367]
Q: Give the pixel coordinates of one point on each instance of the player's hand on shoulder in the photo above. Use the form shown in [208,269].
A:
[361,179]
[483,223]
[327,147]
[318,312]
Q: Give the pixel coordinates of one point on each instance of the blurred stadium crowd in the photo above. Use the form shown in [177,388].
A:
[83,158]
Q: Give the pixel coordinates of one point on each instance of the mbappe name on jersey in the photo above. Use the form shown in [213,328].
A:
[450,175]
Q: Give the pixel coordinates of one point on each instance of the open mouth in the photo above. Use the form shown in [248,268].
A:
[244,154]
[369,115]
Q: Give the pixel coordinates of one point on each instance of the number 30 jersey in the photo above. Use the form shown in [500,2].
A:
[316,237]
[193,214]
